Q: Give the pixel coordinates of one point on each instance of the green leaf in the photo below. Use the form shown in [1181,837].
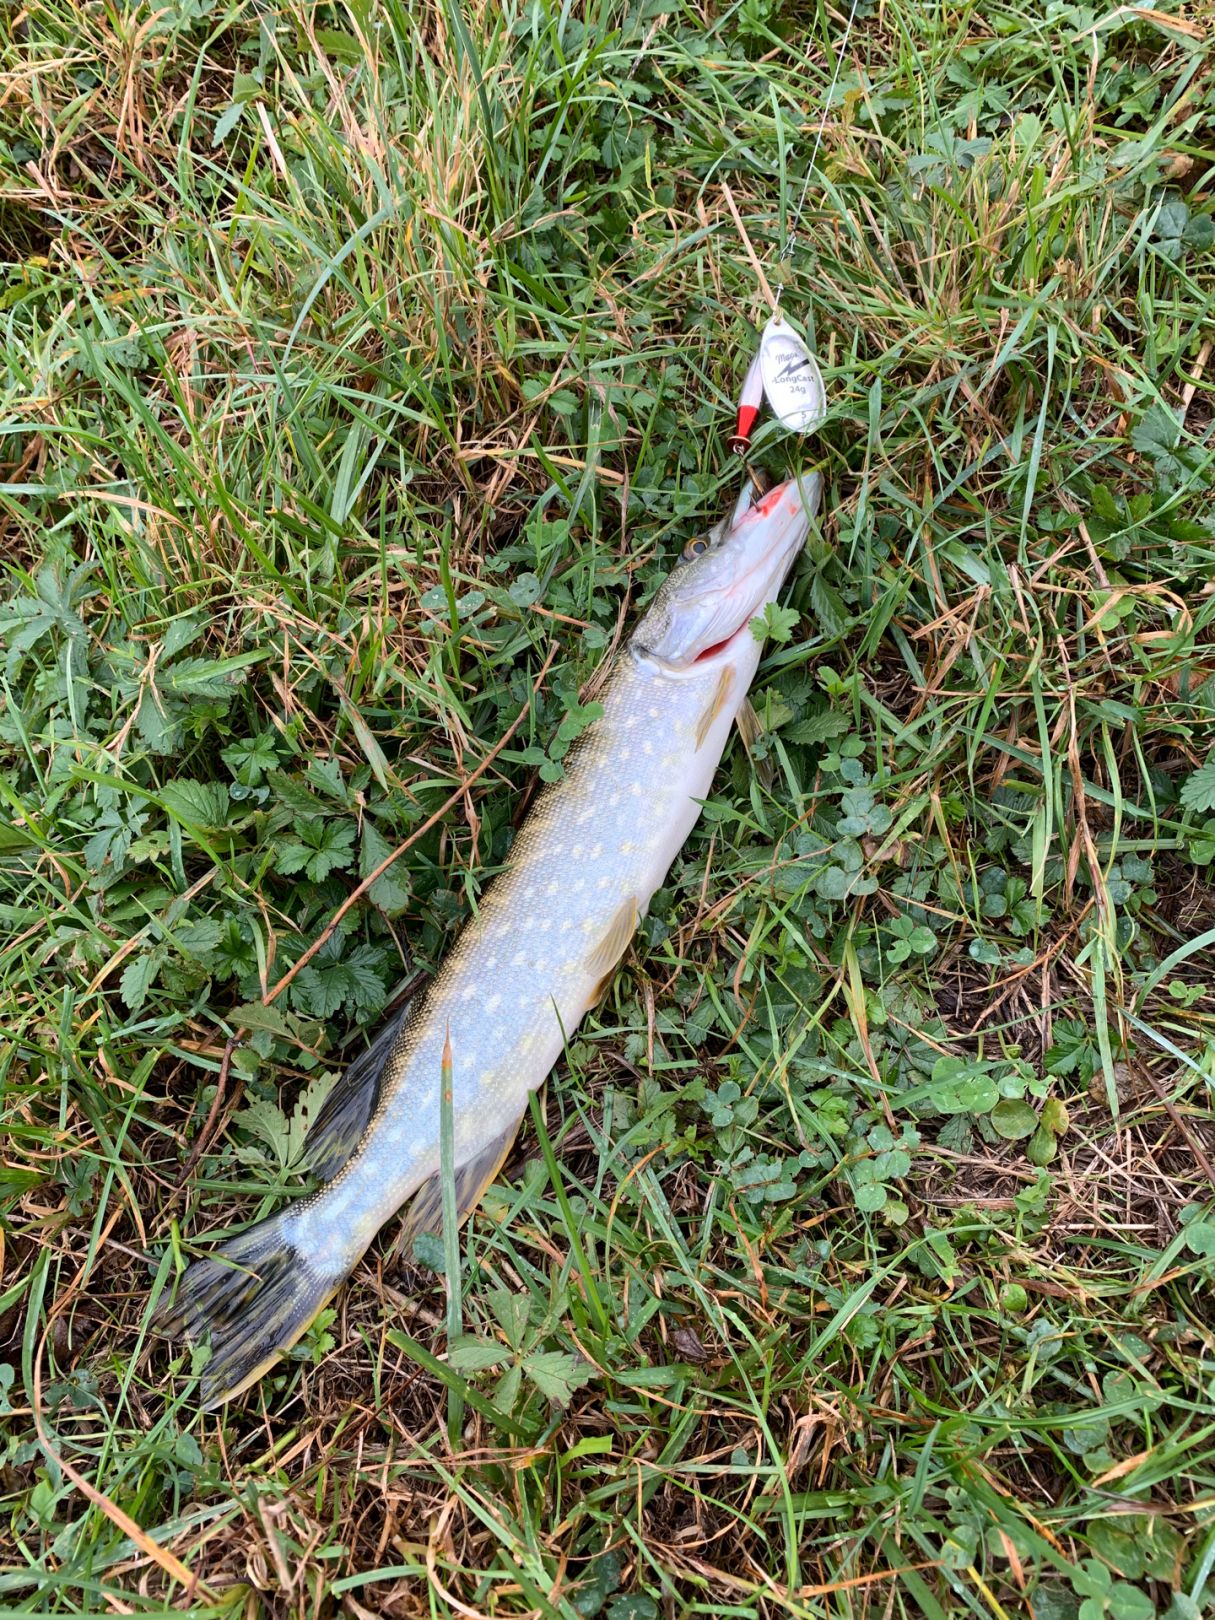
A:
[1106,506]
[1198,789]
[777,623]
[828,608]
[506,1392]
[1183,1607]
[820,725]
[475,1355]
[956,1134]
[227,122]
[512,1311]
[265,1121]
[137,978]
[1127,1602]
[557,1373]
[307,1107]
[1073,1050]
[632,1606]
[1157,432]
[198,804]
[833,883]
[199,936]
[1157,435]
[870,1196]
[1200,1237]
[320,847]
[958,1089]
[252,758]
[1042,1147]
[182,633]
[1055,1116]
[366,991]
[254,1015]
[1091,1578]
[1013,1120]
[209,677]
[603,1579]
[154,722]
[390,891]
[321,990]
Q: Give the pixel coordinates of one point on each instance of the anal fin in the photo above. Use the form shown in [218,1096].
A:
[347,1110]
[425,1212]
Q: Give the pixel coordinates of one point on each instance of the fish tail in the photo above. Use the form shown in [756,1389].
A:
[253,1298]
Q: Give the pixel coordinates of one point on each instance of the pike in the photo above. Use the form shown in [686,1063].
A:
[543,946]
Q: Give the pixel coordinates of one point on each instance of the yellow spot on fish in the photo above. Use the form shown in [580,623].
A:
[494,1001]
[551,888]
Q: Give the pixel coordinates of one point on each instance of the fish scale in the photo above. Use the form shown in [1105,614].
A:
[544,942]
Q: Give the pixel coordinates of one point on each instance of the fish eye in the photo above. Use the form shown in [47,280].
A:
[694,548]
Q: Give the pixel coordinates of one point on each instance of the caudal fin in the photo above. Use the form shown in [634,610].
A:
[252,1300]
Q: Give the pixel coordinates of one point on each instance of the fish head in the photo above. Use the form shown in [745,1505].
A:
[724,579]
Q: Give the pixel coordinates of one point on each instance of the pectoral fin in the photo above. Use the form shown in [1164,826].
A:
[425,1213]
[715,705]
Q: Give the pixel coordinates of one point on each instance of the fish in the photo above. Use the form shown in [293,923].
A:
[543,946]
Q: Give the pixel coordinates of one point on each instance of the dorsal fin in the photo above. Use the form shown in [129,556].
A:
[347,1110]
[425,1213]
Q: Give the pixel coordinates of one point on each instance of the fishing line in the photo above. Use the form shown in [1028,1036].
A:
[783,370]
[818,138]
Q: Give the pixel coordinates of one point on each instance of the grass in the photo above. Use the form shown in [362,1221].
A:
[363,368]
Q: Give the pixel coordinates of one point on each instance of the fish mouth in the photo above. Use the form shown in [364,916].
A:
[769,534]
